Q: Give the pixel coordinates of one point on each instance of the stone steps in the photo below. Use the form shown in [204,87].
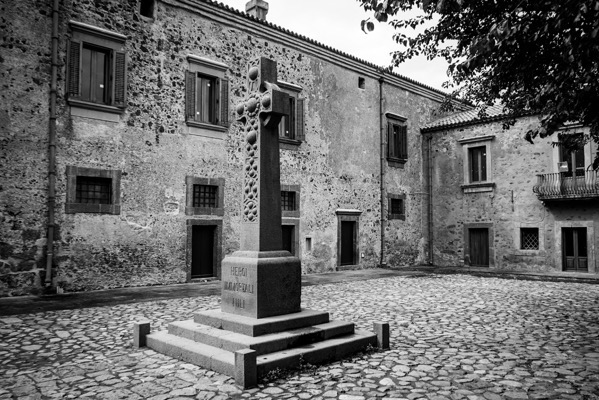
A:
[232,341]
[223,361]
[247,348]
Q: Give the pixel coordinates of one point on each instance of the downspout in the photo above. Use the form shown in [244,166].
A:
[383,164]
[52,149]
[429,162]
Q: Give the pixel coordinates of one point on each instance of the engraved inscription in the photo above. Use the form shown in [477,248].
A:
[238,287]
[238,303]
[239,271]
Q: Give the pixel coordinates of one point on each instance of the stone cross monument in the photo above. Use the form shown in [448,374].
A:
[260,326]
[261,280]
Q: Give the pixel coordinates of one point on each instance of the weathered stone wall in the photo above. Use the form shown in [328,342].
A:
[337,166]
[510,206]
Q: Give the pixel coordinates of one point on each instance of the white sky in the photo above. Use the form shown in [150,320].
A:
[336,23]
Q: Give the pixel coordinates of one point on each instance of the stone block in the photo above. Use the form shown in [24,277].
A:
[141,329]
[381,329]
[261,284]
[245,368]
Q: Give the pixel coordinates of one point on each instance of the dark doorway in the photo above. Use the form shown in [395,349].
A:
[348,245]
[574,249]
[479,247]
[202,251]
[288,235]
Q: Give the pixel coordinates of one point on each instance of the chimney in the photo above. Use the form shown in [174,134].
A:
[257,8]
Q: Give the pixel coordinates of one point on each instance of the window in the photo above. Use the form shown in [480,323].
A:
[477,157]
[397,140]
[574,158]
[396,206]
[361,83]
[529,238]
[291,127]
[204,196]
[96,69]
[477,163]
[91,190]
[146,8]
[290,201]
[206,95]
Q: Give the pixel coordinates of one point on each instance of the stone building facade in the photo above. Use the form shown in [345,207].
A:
[146,188]
[501,202]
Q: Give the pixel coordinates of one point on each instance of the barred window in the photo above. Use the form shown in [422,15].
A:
[205,196]
[93,190]
[288,201]
[529,238]
[396,206]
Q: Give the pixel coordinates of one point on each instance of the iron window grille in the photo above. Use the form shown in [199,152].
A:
[288,201]
[205,196]
[93,190]
[529,238]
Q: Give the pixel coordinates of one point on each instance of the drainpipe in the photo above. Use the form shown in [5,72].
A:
[52,148]
[383,164]
[429,162]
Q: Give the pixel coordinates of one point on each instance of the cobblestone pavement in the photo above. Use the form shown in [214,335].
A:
[453,337]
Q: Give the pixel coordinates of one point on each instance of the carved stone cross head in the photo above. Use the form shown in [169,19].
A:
[261,113]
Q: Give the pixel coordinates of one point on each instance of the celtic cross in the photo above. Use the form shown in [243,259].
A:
[261,113]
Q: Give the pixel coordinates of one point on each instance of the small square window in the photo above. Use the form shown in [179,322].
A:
[93,190]
[146,8]
[205,196]
[396,206]
[288,201]
[529,238]
[361,83]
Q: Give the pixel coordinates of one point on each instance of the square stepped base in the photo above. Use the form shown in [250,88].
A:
[247,348]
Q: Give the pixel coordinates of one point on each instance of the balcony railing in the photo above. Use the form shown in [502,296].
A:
[567,185]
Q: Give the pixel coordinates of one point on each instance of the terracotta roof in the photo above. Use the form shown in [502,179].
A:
[314,42]
[493,113]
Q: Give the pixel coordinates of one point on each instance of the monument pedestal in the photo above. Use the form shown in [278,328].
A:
[261,284]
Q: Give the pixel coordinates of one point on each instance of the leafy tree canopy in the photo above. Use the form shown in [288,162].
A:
[532,56]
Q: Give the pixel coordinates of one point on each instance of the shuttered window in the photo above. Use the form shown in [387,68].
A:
[206,93]
[96,67]
[397,141]
[291,127]
[478,163]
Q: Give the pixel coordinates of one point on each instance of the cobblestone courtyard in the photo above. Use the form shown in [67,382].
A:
[452,337]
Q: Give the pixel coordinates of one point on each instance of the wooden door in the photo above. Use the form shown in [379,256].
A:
[479,247]
[348,242]
[574,249]
[288,234]
[202,251]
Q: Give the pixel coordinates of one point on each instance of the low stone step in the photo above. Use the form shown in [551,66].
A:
[206,356]
[262,326]
[317,353]
[232,341]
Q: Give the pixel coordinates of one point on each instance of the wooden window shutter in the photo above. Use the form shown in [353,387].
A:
[120,79]
[74,66]
[190,95]
[224,102]
[390,140]
[404,141]
[299,133]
